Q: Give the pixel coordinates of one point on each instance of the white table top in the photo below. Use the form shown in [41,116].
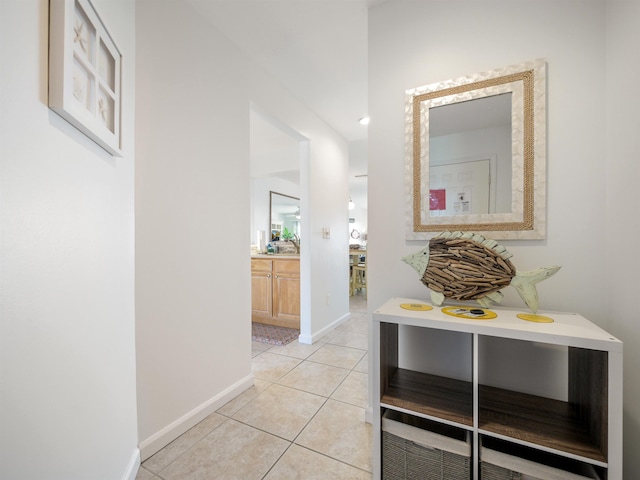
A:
[569,329]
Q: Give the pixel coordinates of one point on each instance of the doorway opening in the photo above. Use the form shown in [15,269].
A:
[278,156]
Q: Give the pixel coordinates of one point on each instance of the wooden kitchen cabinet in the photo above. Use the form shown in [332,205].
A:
[275,291]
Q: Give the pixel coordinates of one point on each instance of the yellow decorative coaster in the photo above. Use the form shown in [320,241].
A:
[470,313]
[532,317]
[421,307]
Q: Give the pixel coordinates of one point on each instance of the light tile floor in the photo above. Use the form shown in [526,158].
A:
[303,418]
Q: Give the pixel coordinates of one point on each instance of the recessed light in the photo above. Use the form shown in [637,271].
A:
[364,120]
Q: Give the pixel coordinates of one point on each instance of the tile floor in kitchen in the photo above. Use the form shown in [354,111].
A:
[303,419]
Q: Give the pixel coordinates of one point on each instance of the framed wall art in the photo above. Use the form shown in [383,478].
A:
[85,72]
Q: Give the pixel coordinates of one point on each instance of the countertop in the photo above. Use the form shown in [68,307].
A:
[282,256]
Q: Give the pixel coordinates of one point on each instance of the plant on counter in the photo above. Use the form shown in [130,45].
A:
[289,236]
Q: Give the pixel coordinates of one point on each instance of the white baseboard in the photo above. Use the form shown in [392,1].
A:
[309,339]
[133,467]
[168,434]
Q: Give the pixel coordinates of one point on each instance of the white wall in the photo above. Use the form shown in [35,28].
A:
[359,215]
[358,164]
[622,179]
[588,179]
[192,195]
[192,283]
[417,43]
[68,406]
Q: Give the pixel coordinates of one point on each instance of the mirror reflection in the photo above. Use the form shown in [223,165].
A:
[284,216]
[470,157]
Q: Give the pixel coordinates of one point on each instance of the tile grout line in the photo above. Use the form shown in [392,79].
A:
[326,399]
[293,442]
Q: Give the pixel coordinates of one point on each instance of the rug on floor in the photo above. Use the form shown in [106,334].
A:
[272,334]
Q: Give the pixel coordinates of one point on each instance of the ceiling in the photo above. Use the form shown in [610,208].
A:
[317,49]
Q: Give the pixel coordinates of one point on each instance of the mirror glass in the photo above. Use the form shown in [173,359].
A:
[470,157]
[476,154]
[284,213]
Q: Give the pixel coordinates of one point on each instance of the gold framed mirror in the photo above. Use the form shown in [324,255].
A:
[476,154]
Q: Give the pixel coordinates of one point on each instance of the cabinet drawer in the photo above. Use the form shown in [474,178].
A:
[261,265]
[287,266]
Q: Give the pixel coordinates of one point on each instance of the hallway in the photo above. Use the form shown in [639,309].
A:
[303,418]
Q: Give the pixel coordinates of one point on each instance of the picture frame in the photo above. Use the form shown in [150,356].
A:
[85,73]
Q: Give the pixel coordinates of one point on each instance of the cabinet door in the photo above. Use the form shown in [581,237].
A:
[286,285]
[261,289]
[261,295]
[287,299]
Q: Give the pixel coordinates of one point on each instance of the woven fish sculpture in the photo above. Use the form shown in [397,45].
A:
[467,266]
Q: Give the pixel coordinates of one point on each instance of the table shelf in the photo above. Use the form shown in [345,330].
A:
[545,422]
[576,417]
[431,395]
